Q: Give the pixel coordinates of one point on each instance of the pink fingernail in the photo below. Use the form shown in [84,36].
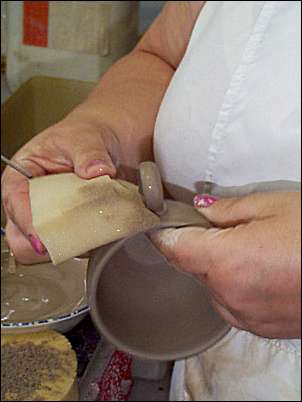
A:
[204,201]
[37,245]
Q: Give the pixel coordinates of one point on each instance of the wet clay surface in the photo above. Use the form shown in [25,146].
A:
[41,291]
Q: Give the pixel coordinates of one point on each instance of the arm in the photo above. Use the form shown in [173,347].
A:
[115,123]
[128,97]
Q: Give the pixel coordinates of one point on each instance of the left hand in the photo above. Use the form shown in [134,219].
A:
[250,262]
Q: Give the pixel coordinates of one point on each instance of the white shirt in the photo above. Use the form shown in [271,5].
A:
[232,116]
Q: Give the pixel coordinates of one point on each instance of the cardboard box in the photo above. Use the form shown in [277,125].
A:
[36,105]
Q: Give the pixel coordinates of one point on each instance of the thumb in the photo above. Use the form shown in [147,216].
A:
[228,212]
[90,156]
[188,249]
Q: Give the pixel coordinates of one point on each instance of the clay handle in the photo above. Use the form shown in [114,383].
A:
[151,188]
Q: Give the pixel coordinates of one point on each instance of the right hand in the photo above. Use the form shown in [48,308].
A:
[69,146]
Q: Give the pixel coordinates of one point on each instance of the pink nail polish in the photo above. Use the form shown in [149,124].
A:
[204,200]
[37,245]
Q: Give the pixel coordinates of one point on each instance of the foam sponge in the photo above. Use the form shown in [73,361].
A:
[38,367]
[72,215]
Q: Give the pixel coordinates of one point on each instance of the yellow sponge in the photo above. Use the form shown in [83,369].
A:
[38,366]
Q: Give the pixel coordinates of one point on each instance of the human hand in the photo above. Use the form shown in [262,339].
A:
[250,261]
[68,146]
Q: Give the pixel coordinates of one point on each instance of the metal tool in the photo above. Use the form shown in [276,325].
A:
[17,167]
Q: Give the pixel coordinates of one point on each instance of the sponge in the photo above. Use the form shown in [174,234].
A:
[38,366]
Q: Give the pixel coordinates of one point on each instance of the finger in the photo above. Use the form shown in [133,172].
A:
[216,256]
[90,156]
[15,190]
[188,248]
[15,196]
[233,211]
[21,247]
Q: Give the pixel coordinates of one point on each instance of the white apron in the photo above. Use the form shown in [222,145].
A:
[232,116]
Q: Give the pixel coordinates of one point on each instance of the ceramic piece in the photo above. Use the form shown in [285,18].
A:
[139,302]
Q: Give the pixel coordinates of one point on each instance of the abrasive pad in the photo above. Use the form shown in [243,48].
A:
[72,215]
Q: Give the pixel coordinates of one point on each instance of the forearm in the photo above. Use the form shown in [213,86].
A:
[128,97]
[126,102]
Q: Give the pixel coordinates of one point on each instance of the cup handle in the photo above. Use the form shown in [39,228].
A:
[151,188]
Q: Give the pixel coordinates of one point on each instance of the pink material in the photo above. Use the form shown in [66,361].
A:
[204,200]
[37,245]
[116,382]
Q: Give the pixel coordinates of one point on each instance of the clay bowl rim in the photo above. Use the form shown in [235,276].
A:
[94,273]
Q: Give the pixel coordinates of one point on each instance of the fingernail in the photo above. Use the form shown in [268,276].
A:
[37,245]
[166,237]
[97,167]
[204,201]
